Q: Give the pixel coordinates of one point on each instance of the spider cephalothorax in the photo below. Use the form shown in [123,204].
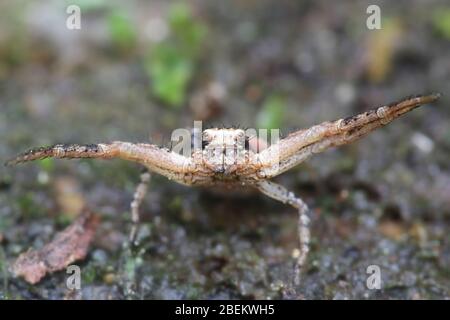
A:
[225,157]
[223,150]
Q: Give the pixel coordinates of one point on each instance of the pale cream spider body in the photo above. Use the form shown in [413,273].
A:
[226,160]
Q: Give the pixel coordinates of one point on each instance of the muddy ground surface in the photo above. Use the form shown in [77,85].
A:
[382,201]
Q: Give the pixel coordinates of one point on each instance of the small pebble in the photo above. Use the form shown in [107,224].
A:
[423,143]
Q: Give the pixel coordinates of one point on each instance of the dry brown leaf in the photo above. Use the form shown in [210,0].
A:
[69,245]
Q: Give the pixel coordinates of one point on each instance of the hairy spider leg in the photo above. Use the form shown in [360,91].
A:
[300,145]
[280,193]
[138,197]
[156,159]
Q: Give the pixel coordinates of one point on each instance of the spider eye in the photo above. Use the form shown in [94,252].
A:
[204,143]
[247,143]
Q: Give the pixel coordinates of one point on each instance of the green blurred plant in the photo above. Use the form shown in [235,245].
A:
[47,165]
[88,5]
[15,41]
[120,27]
[272,113]
[441,21]
[122,32]
[171,63]
[28,207]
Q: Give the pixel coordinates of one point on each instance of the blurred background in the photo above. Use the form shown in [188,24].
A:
[136,70]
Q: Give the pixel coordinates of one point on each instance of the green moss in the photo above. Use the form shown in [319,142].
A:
[194,292]
[88,5]
[5,223]
[28,207]
[47,165]
[171,64]
[88,274]
[441,22]
[170,72]
[187,32]
[63,220]
[176,204]
[15,43]
[122,32]
[272,113]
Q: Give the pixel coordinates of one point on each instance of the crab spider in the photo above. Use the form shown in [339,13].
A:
[226,160]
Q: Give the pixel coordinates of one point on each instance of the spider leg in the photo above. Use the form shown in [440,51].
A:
[162,161]
[300,145]
[138,196]
[280,193]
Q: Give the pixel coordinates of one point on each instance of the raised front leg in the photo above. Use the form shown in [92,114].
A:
[300,145]
[162,161]
[280,193]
